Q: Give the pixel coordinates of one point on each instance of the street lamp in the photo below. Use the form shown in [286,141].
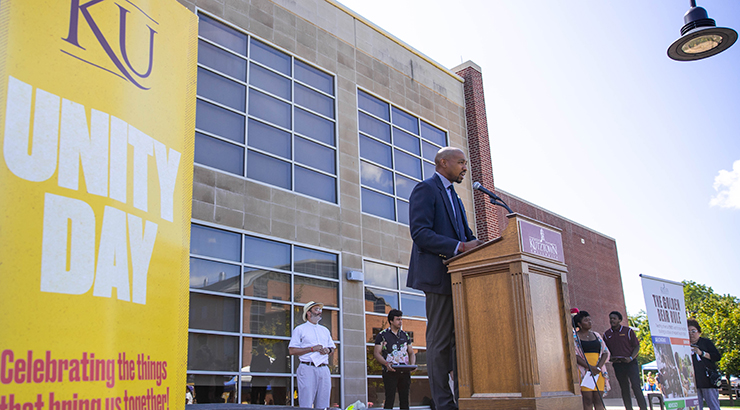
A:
[700,37]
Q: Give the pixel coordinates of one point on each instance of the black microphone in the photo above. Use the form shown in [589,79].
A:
[479,187]
[494,198]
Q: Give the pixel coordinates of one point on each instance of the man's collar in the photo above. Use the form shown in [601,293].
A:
[446,182]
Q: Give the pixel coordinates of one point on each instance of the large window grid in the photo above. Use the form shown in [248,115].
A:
[246,296]
[385,289]
[264,114]
[397,151]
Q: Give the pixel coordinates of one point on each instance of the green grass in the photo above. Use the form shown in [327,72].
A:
[726,403]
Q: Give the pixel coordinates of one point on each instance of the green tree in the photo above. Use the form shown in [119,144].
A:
[640,322]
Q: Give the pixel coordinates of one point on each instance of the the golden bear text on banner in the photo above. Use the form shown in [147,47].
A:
[97,112]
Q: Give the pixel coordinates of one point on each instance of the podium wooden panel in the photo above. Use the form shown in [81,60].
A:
[515,345]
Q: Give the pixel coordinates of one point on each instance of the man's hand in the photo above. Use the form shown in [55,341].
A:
[466,246]
[389,367]
[325,350]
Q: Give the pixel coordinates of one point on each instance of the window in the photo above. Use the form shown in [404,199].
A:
[385,289]
[263,114]
[397,151]
[246,296]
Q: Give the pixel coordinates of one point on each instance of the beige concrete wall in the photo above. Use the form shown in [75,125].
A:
[359,54]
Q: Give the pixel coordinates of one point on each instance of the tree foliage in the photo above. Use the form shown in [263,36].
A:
[640,322]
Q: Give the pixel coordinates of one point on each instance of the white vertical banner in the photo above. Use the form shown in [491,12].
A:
[666,312]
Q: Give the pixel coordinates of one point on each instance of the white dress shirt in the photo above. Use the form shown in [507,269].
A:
[309,335]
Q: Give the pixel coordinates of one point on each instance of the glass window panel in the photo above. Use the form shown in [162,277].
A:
[209,312]
[266,284]
[405,121]
[222,61]
[216,120]
[375,127]
[413,305]
[402,211]
[313,100]
[407,164]
[378,204]
[210,388]
[404,186]
[373,367]
[315,184]
[216,243]
[417,330]
[403,139]
[256,350]
[214,276]
[428,169]
[308,289]
[374,324]
[377,274]
[372,105]
[263,252]
[314,126]
[213,352]
[269,81]
[429,151]
[315,155]
[219,154]
[316,263]
[404,275]
[266,318]
[376,177]
[221,34]
[375,151]
[329,318]
[270,139]
[269,108]
[269,170]
[221,89]
[421,363]
[270,57]
[380,301]
[433,134]
[314,77]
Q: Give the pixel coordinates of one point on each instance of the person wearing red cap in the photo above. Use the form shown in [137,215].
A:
[312,343]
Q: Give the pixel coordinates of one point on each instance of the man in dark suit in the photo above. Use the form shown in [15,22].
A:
[439,230]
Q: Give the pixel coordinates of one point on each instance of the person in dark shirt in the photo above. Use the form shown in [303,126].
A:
[704,355]
[393,347]
[624,347]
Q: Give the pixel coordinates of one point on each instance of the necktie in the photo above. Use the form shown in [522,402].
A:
[458,214]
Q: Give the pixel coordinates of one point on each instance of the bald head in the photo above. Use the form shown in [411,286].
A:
[446,153]
[451,163]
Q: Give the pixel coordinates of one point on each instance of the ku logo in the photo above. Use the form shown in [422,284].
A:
[94,9]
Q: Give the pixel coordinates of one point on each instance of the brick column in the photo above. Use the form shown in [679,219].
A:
[481,170]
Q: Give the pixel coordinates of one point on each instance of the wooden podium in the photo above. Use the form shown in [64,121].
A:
[514,339]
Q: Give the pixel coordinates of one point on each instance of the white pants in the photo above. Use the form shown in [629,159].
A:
[314,386]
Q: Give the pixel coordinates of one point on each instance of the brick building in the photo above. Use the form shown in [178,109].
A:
[313,125]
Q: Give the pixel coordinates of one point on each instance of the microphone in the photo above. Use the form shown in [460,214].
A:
[494,198]
[479,187]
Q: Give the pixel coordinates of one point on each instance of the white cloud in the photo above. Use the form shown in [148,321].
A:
[727,185]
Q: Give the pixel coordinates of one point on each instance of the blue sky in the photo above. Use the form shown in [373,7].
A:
[617,136]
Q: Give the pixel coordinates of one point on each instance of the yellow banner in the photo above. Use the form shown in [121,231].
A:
[97,112]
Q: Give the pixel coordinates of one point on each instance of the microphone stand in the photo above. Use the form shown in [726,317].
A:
[500,202]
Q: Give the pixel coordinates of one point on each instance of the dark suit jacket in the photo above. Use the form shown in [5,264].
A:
[432,224]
